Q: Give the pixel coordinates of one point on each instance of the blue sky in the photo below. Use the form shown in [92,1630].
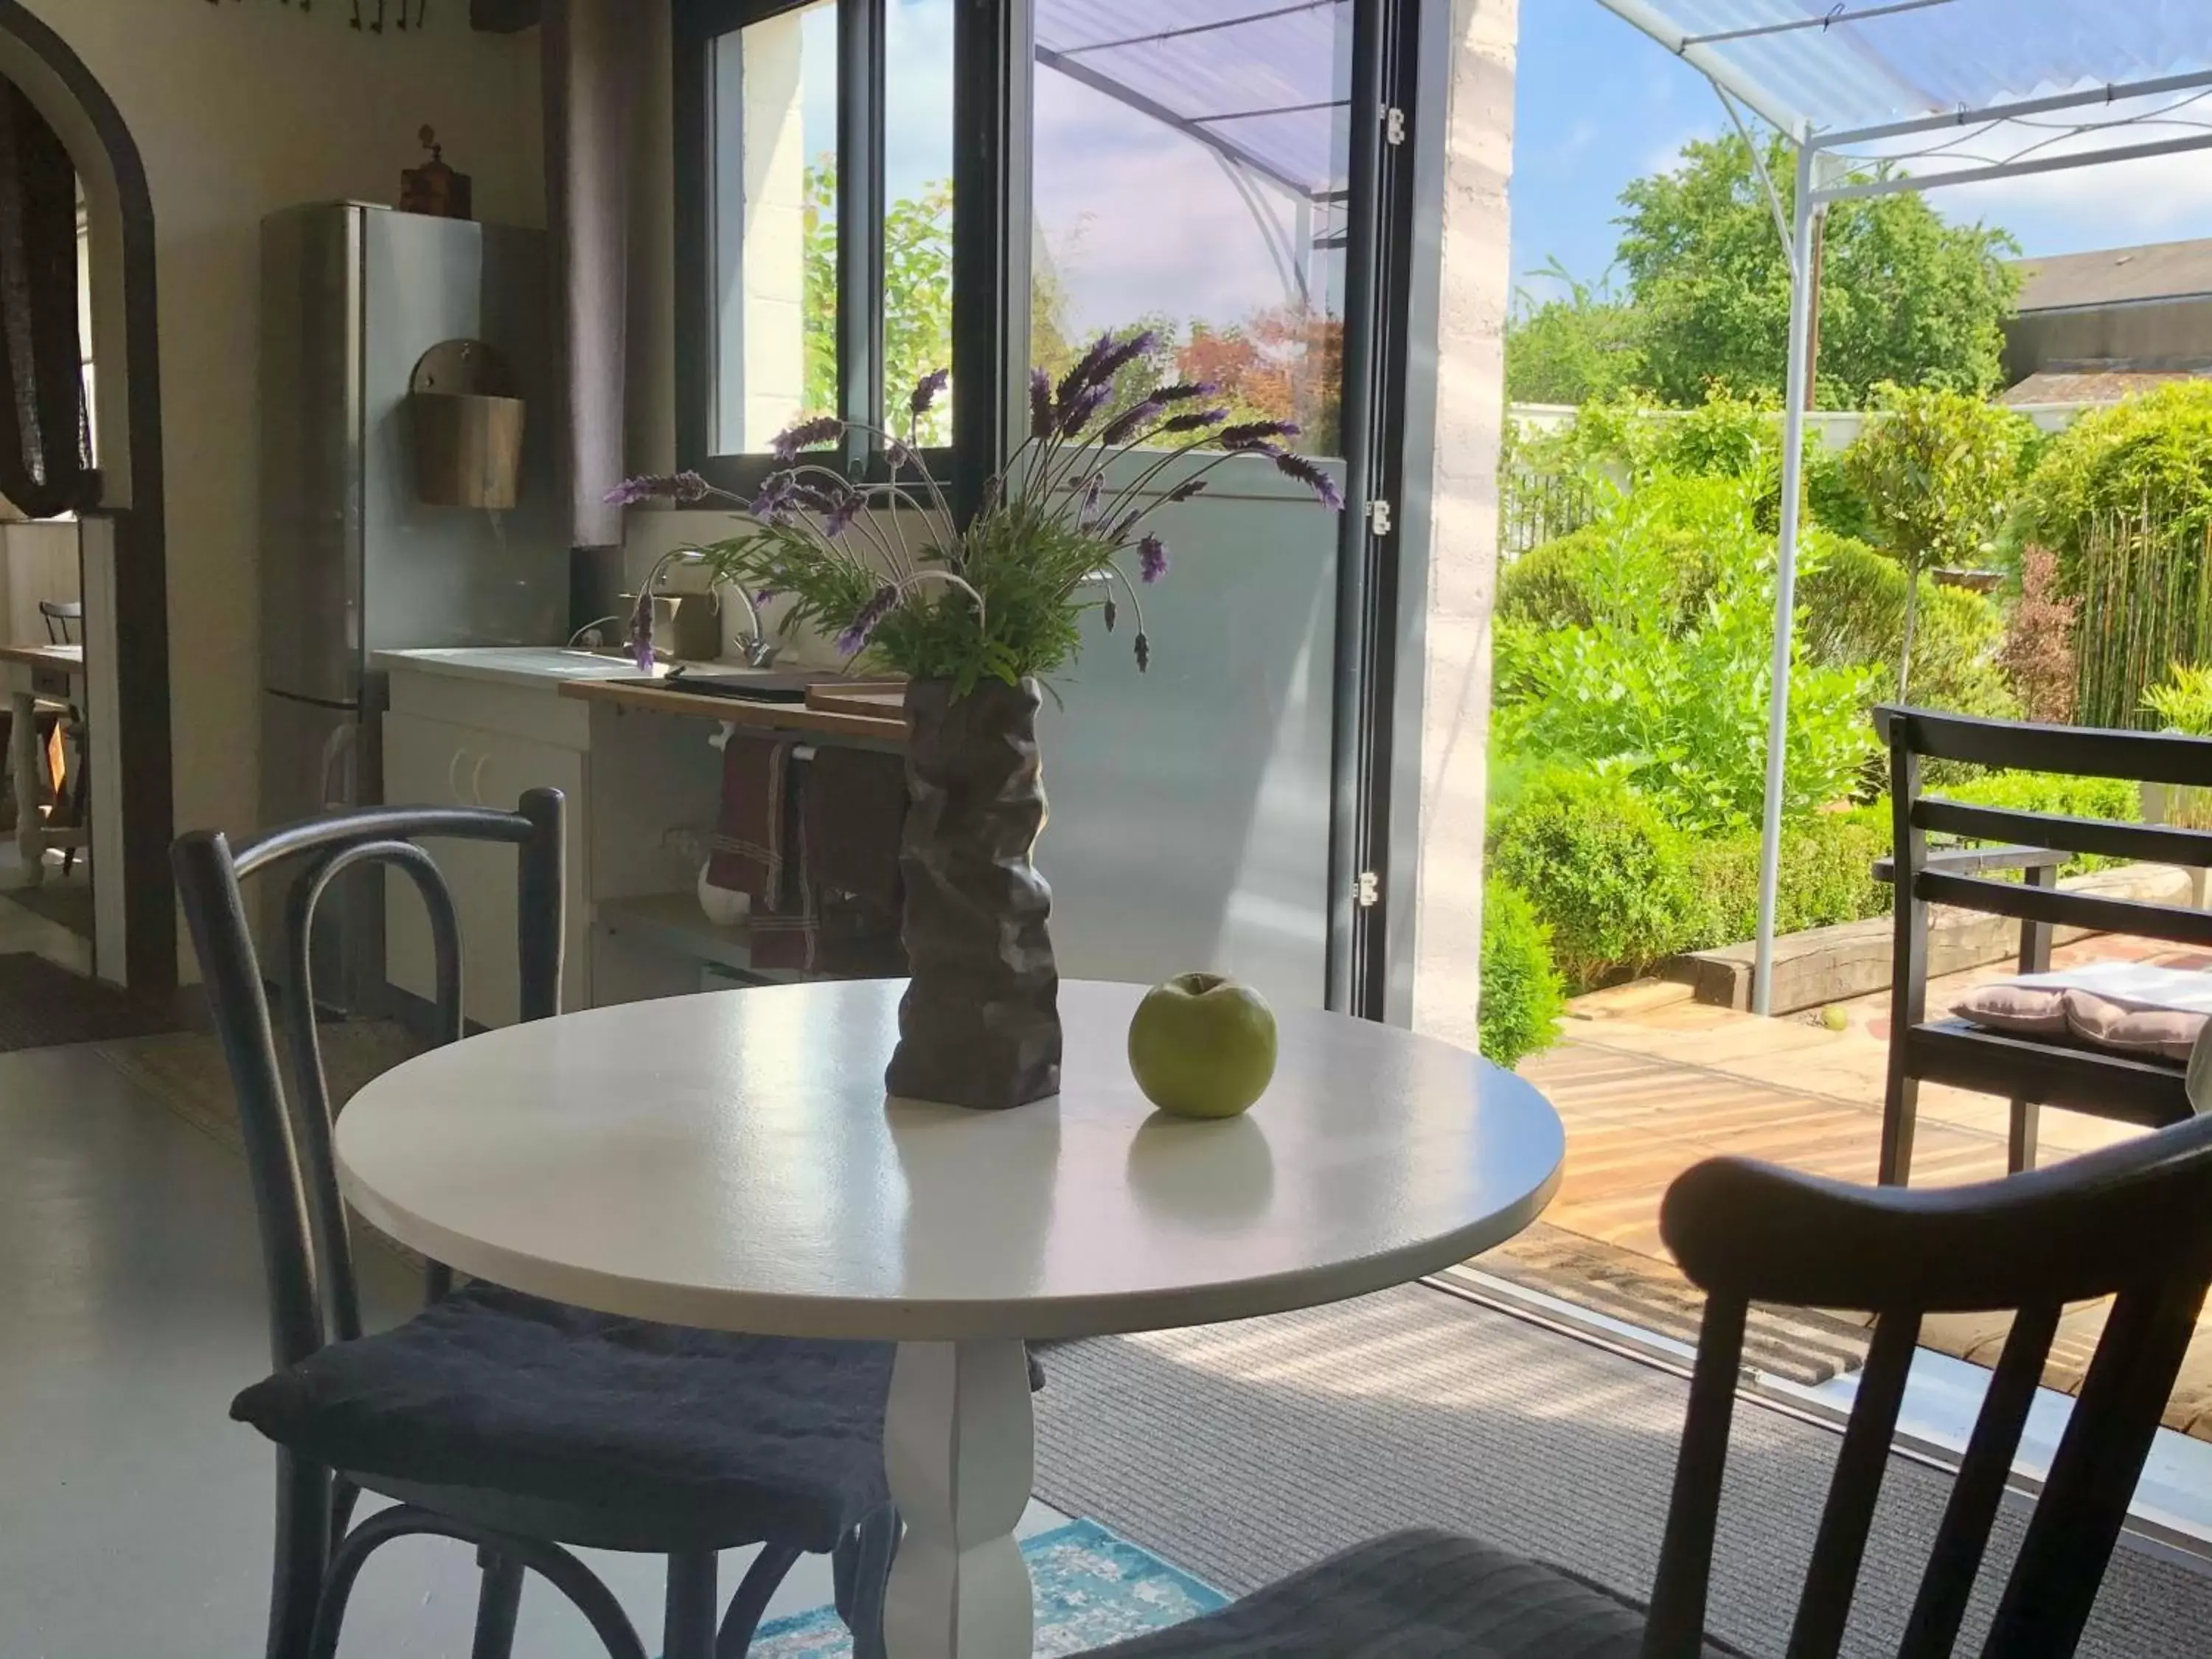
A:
[1600,104]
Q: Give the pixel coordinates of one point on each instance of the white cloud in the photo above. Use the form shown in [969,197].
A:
[2112,204]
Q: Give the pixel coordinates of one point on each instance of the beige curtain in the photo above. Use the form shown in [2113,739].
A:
[593,65]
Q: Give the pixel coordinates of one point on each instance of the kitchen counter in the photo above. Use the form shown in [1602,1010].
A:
[546,666]
[766,716]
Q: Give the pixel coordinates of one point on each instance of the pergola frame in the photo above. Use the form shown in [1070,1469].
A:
[1823,169]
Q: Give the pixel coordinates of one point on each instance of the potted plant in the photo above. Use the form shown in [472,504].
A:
[976,615]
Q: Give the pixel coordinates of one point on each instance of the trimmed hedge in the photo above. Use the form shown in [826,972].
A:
[1522,995]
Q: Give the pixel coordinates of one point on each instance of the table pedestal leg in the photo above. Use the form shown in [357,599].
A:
[23,766]
[960,1446]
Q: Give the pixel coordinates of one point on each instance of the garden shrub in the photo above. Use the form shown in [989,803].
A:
[1826,876]
[1649,545]
[2152,449]
[1522,995]
[1851,611]
[1672,699]
[1603,870]
[2038,658]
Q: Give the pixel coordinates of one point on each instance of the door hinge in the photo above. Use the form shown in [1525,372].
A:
[1394,125]
[1369,890]
[1378,517]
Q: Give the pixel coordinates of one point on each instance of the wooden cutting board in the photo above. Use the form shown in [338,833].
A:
[873,699]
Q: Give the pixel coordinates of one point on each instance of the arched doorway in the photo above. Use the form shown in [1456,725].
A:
[125,568]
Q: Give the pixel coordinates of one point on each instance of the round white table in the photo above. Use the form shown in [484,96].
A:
[729,1161]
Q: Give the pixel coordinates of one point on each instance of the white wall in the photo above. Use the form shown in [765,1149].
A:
[1477,288]
[238,110]
[38,560]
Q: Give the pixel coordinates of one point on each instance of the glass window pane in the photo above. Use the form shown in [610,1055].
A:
[1191,165]
[918,206]
[774,205]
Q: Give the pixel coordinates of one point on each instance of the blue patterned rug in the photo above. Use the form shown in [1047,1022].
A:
[1092,1588]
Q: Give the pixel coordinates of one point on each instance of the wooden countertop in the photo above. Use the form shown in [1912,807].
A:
[835,722]
[62,658]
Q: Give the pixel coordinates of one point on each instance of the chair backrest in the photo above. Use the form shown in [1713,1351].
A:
[2132,1221]
[64,620]
[306,1245]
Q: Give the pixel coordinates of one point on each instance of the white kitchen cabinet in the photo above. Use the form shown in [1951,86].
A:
[437,762]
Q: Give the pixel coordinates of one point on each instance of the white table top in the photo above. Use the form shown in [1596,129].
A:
[729,1161]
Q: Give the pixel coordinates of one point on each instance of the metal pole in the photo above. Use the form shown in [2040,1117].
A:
[1804,302]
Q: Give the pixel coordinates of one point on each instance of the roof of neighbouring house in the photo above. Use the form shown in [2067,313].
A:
[2093,386]
[2157,271]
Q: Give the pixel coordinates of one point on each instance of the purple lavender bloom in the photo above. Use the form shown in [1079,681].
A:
[842,512]
[1092,492]
[854,640]
[897,452]
[1144,651]
[1075,414]
[807,434]
[925,391]
[1188,487]
[779,493]
[1131,421]
[1152,559]
[1085,374]
[1184,392]
[1256,434]
[640,633]
[1195,420]
[763,596]
[1142,344]
[1313,477]
[1040,404]
[682,487]
[1111,612]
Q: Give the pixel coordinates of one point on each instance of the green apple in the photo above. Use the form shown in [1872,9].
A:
[1202,1046]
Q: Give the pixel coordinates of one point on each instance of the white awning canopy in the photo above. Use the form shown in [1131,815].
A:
[2081,76]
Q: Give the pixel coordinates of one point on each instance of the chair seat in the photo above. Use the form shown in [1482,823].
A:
[1413,1595]
[650,1430]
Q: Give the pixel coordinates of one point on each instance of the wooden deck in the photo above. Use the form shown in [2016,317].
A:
[1649,1083]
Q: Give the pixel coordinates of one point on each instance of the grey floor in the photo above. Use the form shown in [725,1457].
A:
[134,1516]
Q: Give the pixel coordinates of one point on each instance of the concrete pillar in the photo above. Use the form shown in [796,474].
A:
[1476,288]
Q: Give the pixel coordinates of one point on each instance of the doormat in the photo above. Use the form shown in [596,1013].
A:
[1092,1588]
[43,1005]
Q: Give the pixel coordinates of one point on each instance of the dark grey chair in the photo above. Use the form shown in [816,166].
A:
[2133,1221]
[513,1424]
[2031,1074]
[64,620]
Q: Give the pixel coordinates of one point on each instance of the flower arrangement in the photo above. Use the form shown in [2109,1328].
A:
[887,569]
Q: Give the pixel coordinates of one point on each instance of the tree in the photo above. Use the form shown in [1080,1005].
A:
[1937,469]
[1579,348]
[917,294]
[1905,297]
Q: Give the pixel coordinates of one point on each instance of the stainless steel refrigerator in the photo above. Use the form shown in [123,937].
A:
[352,562]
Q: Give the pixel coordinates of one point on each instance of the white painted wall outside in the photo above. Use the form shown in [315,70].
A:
[1477,289]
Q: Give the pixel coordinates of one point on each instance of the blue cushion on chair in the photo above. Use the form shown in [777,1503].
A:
[746,1438]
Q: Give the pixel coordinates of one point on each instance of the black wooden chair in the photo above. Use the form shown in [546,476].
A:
[511,1422]
[2029,1073]
[64,620]
[2133,1220]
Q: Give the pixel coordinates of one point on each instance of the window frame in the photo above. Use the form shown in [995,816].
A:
[862,396]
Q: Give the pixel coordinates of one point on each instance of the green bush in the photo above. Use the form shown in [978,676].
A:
[1670,694]
[1851,611]
[2115,799]
[2154,449]
[1826,876]
[1521,996]
[1603,870]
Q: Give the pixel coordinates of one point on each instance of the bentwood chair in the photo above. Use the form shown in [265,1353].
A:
[516,1424]
[2133,1221]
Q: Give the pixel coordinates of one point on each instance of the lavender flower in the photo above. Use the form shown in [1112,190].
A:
[925,391]
[897,452]
[764,596]
[1151,558]
[1118,357]
[682,487]
[1195,420]
[1092,492]
[1144,651]
[854,640]
[1084,374]
[641,633]
[1110,612]
[807,434]
[1040,404]
[1184,392]
[779,493]
[1256,434]
[842,512]
[1313,477]
[1131,421]
[1186,489]
[1075,414]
